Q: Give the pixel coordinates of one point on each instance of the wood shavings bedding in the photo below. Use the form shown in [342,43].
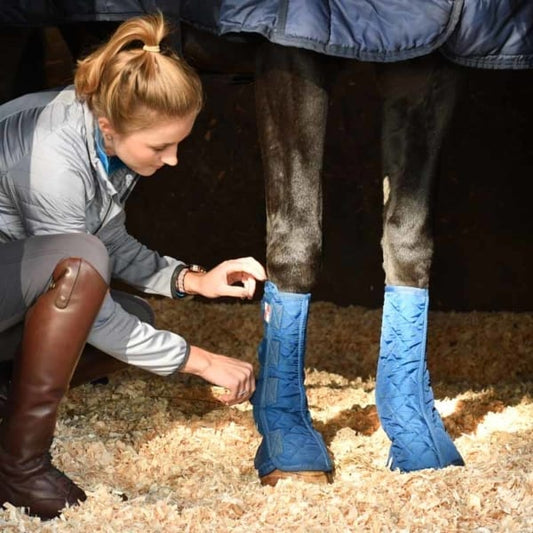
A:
[162,455]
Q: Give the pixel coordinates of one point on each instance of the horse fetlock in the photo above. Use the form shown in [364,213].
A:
[293,275]
[406,261]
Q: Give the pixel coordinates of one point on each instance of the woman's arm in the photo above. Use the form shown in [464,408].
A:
[134,263]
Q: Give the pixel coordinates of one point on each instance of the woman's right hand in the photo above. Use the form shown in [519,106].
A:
[235,278]
[236,376]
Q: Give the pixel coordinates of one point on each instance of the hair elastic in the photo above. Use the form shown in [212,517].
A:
[154,49]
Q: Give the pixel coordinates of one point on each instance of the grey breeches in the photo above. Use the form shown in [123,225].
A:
[26,268]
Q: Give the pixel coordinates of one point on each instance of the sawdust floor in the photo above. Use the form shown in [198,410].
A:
[185,462]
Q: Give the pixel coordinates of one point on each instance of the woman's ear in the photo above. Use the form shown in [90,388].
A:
[108,133]
[105,127]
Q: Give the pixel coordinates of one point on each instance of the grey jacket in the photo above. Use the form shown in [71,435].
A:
[51,182]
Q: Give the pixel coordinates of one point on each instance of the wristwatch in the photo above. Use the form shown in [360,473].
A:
[179,276]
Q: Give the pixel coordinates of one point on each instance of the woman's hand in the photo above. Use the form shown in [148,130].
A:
[221,280]
[236,376]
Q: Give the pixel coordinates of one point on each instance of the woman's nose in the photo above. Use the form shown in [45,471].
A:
[170,157]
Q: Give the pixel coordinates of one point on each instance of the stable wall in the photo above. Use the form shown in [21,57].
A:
[212,206]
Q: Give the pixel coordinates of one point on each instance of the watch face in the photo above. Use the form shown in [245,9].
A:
[197,268]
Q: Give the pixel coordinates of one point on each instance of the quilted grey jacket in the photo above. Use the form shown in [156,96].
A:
[51,182]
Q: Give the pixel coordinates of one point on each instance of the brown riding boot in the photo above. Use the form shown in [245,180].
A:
[6,368]
[56,328]
[93,366]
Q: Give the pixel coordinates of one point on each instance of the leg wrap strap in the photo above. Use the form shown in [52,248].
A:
[404,397]
[280,404]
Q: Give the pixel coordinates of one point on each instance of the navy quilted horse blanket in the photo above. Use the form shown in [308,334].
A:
[477,33]
[52,12]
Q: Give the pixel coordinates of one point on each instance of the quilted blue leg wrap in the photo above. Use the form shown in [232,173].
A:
[404,397]
[279,403]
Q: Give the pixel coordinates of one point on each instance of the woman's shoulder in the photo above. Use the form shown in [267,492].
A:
[36,103]
[37,116]
[62,127]
[62,111]
[47,122]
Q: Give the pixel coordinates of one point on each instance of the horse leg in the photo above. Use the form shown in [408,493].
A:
[291,104]
[418,103]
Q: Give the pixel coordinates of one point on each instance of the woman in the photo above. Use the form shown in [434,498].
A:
[69,160]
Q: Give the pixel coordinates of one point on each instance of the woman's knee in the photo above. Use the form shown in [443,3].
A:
[89,248]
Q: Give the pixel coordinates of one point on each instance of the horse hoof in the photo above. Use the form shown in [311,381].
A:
[308,476]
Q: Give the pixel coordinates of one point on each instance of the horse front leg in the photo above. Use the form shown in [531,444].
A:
[418,102]
[291,104]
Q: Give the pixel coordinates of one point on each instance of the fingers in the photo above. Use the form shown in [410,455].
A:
[249,286]
[248,265]
[234,291]
[247,289]
[243,385]
[244,390]
[235,377]
[220,280]
[234,398]
[245,270]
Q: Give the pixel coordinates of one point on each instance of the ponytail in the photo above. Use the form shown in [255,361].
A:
[132,78]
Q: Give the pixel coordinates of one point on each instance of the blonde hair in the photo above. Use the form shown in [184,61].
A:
[127,81]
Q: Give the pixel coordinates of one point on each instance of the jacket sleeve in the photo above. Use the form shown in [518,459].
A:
[125,337]
[134,263]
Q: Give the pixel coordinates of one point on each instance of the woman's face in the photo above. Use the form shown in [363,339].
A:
[147,150]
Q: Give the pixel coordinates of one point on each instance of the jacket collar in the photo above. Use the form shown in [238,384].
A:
[117,179]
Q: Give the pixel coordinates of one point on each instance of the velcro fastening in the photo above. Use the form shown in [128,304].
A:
[273,352]
[274,442]
[271,391]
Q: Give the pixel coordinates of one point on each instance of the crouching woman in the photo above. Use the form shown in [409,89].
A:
[68,161]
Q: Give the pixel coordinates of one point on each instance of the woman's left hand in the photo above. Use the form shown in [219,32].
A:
[222,279]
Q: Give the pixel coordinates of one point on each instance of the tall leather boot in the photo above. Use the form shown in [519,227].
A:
[94,365]
[291,447]
[404,398]
[6,369]
[56,328]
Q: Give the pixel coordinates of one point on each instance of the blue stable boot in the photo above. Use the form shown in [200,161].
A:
[290,446]
[404,398]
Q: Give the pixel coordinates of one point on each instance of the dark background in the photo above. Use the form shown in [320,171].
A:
[211,207]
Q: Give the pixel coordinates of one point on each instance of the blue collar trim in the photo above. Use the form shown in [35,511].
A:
[111,164]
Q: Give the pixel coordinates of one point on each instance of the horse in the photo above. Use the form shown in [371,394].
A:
[419,86]
[292,77]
